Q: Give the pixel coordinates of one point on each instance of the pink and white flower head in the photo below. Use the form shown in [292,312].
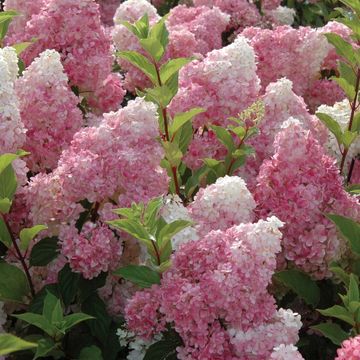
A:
[350,349]
[93,250]
[107,10]
[298,185]
[11,127]
[286,352]
[212,279]
[74,29]
[222,205]
[48,109]
[224,83]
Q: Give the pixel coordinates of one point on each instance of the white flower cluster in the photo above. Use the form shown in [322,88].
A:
[223,204]
[286,352]
[282,15]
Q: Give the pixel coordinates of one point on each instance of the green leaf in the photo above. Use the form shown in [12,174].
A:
[133,228]
[224,137]
[7,15]
[332,331]
[52,310]
[10,343]
[182,118]
[153,47]
[140,275]
[28,234]
[39,321]
[353,292]
[349,229]
[45,346]
[5,205]
[44,251]
[5,236]
[142,25]
[164,349]
[90,353]
[160,33]
[160,95]
[141,62]
[353,4]
[8,183]
[356,123]
[6,160]
[341,274]
[353,189]
[301,284]
[343,48]
[68,282]
[183,137]
[348,138]
[332,125]
[169,230]
[152,212]
[172,153]
[338,312]
[20,47]
[347,73]
[172,67]
[74,319]
[13,283]
[348,89]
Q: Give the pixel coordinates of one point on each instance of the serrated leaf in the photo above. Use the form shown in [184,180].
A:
[332,331]
[343,48]
[224,137]
[133,228]
[39,321]
[28,234]
[10,343]
[301,284]
[181,119]
[140,275]
[332,125]
[349,229]
[74,319]
[172,67]
[13,283]
[141,62]
[44,251]
[153,47]
[338,312]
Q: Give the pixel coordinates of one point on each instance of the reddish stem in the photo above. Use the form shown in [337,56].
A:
[20,256]
[177,188]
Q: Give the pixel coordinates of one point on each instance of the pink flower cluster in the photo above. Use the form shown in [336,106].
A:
[105,161]
[191,31]
[298,185]
[224,83]
[73,28]
[210,296]
[350,349]
[282,50]
[93,250]
[48,109]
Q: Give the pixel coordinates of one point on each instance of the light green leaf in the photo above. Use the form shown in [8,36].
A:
[338,312]
[142,25]
[353,4]
[141,62]
[348,89]
[348,138]
[356,123]
[349,229]
[332,331]
[10,343]
[183,137]
[332,125]
[39,321]
[6,160]
[153,47]
[343,48]
[20,47]
[5,236]
[224,136]
[152,211]
[74,319]
[182,118]
[133,228]
[301,284]
[340,274]
[172,153]
[13,283]
[169,230]
[28,234]
[160,33]
[347,73]
[353,189]
[172,67]
[5,205]
[142,276]
[8,183]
